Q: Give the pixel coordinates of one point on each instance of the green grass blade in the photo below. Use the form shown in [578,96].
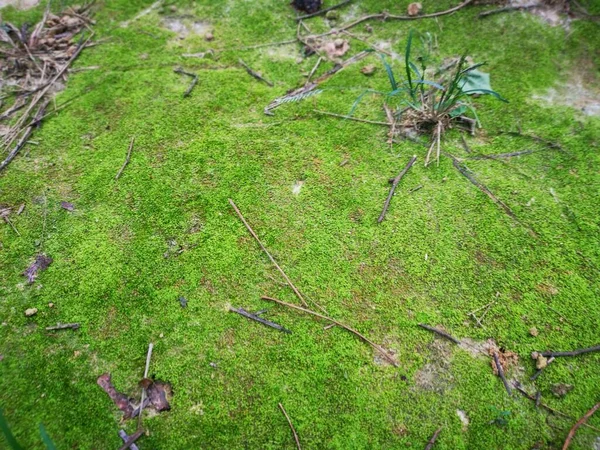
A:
[10,438]
[46,438]
[407,62]
[390,73]
[486,91]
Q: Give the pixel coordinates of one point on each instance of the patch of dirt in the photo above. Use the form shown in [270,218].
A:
[19,4]
[576,93]
[186,25]
[435,376]
[551,11]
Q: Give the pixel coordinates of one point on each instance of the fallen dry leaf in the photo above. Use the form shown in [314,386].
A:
[41,263]
[68,206]
[158,393]
[414,9]
[335,49]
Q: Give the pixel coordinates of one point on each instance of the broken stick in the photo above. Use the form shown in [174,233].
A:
[264,249]
[125,436]
[385,354]
[127,158]
[148,356]
[576,352]
[433,439]
[256,317]
[131,439]
[291,426]
[253,73]
[393,188]
[578,424]
[194,77]
[441,333]
[501,373]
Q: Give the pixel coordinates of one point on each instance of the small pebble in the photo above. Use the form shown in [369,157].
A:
[50,305]
[161,335]
[208,37]
[339,43]
[76,353]
[31,312]
[332,15]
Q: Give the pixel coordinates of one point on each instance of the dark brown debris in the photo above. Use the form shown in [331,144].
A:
[41,263]
[68,206]
[63,326]
[119,399]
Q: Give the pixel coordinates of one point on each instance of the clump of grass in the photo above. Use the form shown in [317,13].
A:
[432,107]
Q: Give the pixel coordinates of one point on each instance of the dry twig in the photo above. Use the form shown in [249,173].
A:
[148,356]
[193,83]
[441,333]
[576,352]
[253,73]
[291,426]
[243,312]
[501,373]
[127,158]
[63,326]
[580,422]
[395,182]
[385,354]
[431,442]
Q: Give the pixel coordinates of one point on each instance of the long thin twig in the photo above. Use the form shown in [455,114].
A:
[253,73]
[483,188]
[314,69]
[385,354]
[256,317]
[501,373]
[126,159]
[356,119]
[580,422]
[193,83]
[264,249]
[148,356]
[576,352]
[385,16]
[291,426]
[323,11]
[503,155]
[441,333]
[524,393]
[63,326]
[431,442]
[131,439]
[393,188]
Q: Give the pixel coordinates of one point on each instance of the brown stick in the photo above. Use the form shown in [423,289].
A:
[501,373]
[194,77]
[506,8]
[124,436]
[291,426]
[243,312]
[323,11]
[126,159]
[254,74]
[576,352]
[431,442]
[131,439]
[441,333]
[264,249]
[393,188]
[578,424]
[351,330]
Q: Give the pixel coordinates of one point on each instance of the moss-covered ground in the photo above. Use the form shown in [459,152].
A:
[442,251]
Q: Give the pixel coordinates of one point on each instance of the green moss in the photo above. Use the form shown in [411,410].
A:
[442,251]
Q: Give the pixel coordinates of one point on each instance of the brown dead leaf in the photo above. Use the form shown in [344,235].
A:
[506,358]
[159,392]
[41,263]
[335,49]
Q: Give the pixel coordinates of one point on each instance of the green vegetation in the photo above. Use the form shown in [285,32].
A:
[442,251]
